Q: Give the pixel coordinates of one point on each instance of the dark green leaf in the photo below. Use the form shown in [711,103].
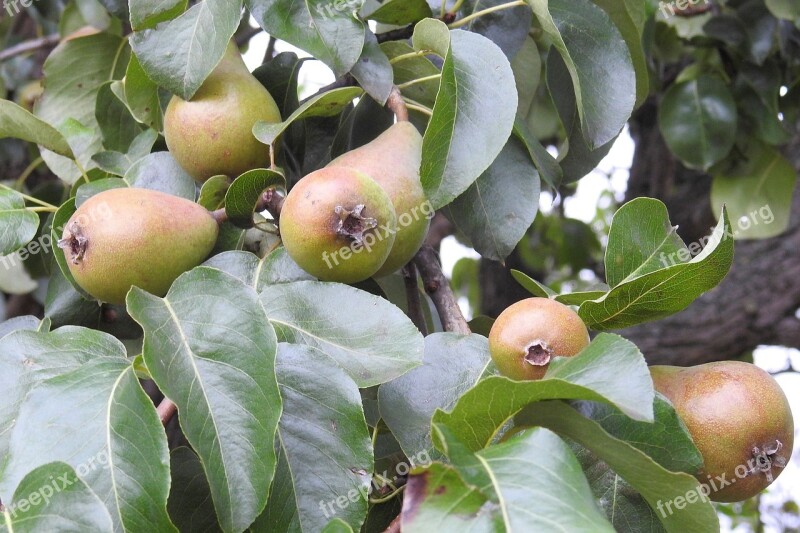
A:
[373,340]
[209,347]
[197,40]
[245,193]
[397,12]
[148,13]
[373,71]
[698,120]
[17,225]
[190,505]
[21,124]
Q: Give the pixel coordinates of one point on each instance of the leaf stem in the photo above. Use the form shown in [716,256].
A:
[29,198]
[42,209]
[416,106]
[410,55]
[456,7]
[388,497]
[466,20]
[20,183]
[419,80]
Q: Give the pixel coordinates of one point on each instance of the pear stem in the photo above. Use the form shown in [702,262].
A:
[166,410]
[396,104]
[438,288]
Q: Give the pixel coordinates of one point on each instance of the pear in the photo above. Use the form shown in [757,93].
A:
[393,160]
[338,224]
[121,238]
[528,334]
[739,419]
[212,134]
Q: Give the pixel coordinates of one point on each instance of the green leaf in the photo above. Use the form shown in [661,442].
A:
[413,68]
[275,267]
[507,28]
[532,286]
[497,210]
[598,61]
[374,342]
[19,323]
[17,225]
[212,192]
[611,369]
[325,440]
[758,193]
[666,440]
[105,427]
[452,365]
[21,124]
[437,499]
[52,498]
[117,163]
[640,241]
[657,485]
[373,70]
[74,73]
[245,193]
[698,120]
[337,525]
[397,12]
[197,40]
[118,127]
[629,17]
[190,505]
[148,13]
[141,95]
[326,30]
[537,466]
[160,172]
[784,9]
[473,114]
[527,67]
[209,347]
[666,291]
[327,104]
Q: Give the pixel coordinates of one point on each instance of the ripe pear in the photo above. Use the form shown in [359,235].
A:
[528,334]
[393,160]
[212,134]
[739,419]
[121,238]
[338,225]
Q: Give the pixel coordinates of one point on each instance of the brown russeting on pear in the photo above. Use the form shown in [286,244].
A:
[538,353]
[353,224]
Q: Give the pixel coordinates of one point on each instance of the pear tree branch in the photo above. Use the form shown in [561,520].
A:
[29,46]
[438,288]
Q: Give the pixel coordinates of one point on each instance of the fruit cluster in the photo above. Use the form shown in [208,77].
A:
[736,413]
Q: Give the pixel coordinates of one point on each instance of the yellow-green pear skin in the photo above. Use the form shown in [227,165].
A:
[212,134]
[393,160]
[122,238]
[739,419]
[338,224]
[528,334]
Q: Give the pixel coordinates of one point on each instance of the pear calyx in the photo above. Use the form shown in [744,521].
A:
[353,224]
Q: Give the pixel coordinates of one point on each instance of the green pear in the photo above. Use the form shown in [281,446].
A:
[528,334]
[739,419]
[338,224]
[212,134]
[122,238]
[393,161]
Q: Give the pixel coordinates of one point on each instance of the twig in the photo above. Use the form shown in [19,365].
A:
[246,35]
[397,106]
[394,527]
[270,53]
[30,46]
[438,288]
[166,410]
[412,297]
[396,35]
